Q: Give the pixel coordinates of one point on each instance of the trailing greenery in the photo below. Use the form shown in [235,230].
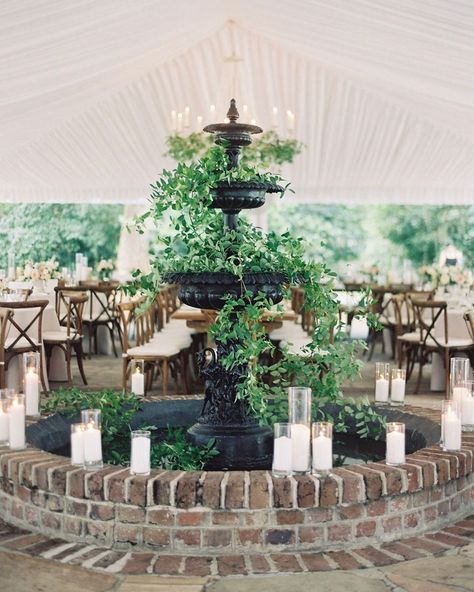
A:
[197,241]
[267,149]
[43,231]
[117,410]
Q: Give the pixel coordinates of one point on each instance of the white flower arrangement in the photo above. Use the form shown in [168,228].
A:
[446,276]
[41,270]
[105,265]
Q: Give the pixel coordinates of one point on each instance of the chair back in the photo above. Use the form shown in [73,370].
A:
[469,318]
[133,324]
[428,313]
[28,328]
[74,303]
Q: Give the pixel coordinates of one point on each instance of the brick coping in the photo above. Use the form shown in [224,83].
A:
[197,513]
[98,558]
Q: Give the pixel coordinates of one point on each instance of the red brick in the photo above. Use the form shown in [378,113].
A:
[138,564]
[197,566]
[443,466]
[282,493]
[102,511]
[259,564]
[226,518]
[231,565]
[217,537]
[289,517]
[115,485]
[137,490]
[32,516]
[315,562]
[406,552]
[211,489]
[77,508]
[420,498]
[428,468]
[23,542]
[372,480]
[127,533]
[167,565]
[98,529]
[249,536]
[430,514]
[393,477]
[378,558]
[339,532]
[305,491]
[52,521]
[412,519]
[286,563]
[131,515]
[366,528]
[192,518]
[275,536]
[186,489]
[351,512]
[188,537]
[424,545]
[75,483]
[59,478]
[73,525]
[443,508]
[235,490]
[446,539]
[414,477]
[328,493]
[344,560]
[161,517]
[162,487]
[317,515]
[392,524]
[158,537]
[311,534]
[23,493]
[40,473]
[459,531]
[353,488]
[376,508]
[259,495]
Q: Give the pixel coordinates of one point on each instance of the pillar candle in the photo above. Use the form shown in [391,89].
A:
[16,424]
[32,393]
[467,411]
[322,453]
[395,453]
[398,390]
[138,382]
[459,393]
[282,455]
[381,390]
[77,447]
[140,456]
[300,440]
[3,424]
[92,444]
[451,430]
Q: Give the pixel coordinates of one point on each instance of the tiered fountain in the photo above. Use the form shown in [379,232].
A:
[242,442]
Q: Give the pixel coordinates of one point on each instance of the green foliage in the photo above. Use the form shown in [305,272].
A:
[117,410]
[41,231]
[267,149]
[423,231]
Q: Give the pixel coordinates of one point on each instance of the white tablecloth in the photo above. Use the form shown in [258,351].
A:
[58,368]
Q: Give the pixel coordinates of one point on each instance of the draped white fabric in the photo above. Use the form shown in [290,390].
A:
[382,93]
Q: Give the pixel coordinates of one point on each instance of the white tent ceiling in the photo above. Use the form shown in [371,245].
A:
[382,90]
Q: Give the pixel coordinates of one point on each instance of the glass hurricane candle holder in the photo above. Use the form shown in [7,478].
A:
[92,416]
[395,443]
[467,406]
[4,405]
[92,447]
[31,373]
[299,406]
[16,422]
[382,382]
[282,450]
[397,393]
[451,425]
[140,453]
[77,443]
[138,377]
[459,372]
[322,448]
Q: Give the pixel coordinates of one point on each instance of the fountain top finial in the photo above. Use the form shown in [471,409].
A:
[232,113]
[238,133]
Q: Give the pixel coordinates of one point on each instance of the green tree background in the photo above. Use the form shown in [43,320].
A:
[42,231]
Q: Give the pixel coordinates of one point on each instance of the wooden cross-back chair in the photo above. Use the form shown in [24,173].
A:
[71,305]
[428,314]
[17,339]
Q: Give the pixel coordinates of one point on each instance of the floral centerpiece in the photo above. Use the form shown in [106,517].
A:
[445,277]
[104,268]
[39,271]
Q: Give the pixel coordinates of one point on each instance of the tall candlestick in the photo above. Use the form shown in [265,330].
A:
[140,454]
[395,440]
[16,422]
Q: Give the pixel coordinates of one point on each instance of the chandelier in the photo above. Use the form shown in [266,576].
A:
[187,120]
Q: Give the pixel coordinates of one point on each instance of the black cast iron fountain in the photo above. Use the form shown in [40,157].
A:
[242,442]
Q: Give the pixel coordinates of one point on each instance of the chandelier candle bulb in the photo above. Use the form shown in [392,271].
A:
[16,422]
[451,425]
[92,447]
[199,123]
[186,120]
[382,383]
[245,113]
[179,123]
[299,406]
[275,117]
[282,449]
[212,112]
[290,118]
[138,377]
[174,123]
[395,441]
[397,396]
[322,448]
[77,443]
[140,453]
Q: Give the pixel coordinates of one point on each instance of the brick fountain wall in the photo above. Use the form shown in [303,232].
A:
[224,513]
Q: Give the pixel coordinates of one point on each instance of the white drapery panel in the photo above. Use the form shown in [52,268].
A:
[382,93]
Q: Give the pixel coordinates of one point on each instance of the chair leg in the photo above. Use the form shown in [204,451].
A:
[164,376]
[124,373]
[111,331]
[89,331]
[68,356]
[446,370]
[80,359]
[42,377]
[421,363]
